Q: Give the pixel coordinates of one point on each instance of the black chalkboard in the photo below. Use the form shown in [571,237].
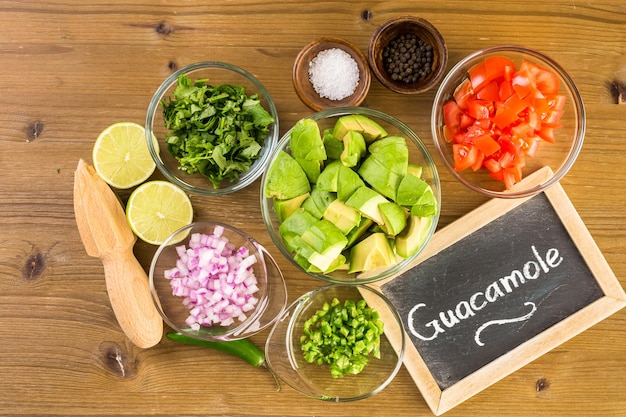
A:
[492,290]
[496,289]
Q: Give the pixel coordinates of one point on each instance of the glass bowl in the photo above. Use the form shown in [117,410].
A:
[199,295]
[285,357]
[216,73]
[559,156]
[418,155]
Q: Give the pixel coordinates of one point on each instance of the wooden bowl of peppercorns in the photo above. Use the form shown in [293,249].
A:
[408,55]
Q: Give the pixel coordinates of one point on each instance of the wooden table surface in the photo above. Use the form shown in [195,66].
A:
[71,68]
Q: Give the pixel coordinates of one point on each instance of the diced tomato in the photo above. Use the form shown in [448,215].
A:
[463,92]
[499,116]
[490,92]
[464,156]
[479,109]
[486,144]
[452,115]
[546,81]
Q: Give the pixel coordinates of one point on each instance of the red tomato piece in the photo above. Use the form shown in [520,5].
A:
[486,144]
[463,92]
[464,156]
[552,118]
[478,75]
[490,92]
[479,109]
[523,83]
[546,81]
[546,133]
[452,115]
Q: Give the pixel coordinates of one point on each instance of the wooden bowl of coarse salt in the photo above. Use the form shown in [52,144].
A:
[331,72]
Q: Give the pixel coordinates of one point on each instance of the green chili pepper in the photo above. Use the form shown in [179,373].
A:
[242,348]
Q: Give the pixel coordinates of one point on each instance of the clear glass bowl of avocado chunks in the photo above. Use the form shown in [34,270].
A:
[351,194]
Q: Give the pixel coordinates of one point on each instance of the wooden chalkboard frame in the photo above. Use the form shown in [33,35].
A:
[613,300]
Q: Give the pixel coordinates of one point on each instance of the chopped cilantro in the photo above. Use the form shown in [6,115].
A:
[217,131]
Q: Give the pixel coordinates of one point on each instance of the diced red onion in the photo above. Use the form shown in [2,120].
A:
[215,280]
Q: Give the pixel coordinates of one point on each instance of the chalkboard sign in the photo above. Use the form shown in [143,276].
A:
[495,290]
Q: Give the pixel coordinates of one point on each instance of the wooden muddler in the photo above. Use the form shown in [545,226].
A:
[106,235]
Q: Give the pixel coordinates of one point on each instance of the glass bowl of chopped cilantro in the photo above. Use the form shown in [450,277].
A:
[504,113]
[337,343]
[351,195]
[216,125]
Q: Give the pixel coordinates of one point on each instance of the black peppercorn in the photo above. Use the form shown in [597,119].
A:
[407,58]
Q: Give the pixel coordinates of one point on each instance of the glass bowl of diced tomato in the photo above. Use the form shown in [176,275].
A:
[503,113]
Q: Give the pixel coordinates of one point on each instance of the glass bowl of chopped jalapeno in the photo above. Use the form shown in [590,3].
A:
[216,125]
[337,343]
[351,195]
[504,113]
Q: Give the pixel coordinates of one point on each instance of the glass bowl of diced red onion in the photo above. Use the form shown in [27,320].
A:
[212,281]
[504,113]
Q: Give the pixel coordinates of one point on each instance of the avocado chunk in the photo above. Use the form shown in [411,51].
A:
[327,180]
[355,234]
[353,149]
[411,239]
[347,182]
[371,253]
[293,226]
[394,216]
[344,217]
[308,258]
[327,241]
[366,201]
[414,169]
[426,204]
[285,208]
[311,168]
[410,190]
[392,152]
[370,130]
[306,141]
[286,178]
[333,146]
[317,202]
[379,177]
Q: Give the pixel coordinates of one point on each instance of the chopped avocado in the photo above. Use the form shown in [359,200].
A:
[426,205]
[370,130]
[410,190]
[327,241]
[379,177]
[338,263]
[285,178]
[317,202]
[353,149]
[411,239]
[347,182]
[333,146]
[371,253]
[392,152]
[327,180]
[294,225]
[285,208]
[414,169]
[355,234]
[344,217]
[306,141]
[366,201]
[311,168]
[394,216]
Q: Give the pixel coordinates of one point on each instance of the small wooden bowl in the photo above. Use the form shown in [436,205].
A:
[304,87]
[394,27]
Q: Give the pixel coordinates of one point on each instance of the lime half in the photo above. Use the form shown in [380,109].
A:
[121,155]
[156,209]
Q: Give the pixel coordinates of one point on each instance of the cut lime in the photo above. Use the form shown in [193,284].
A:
[156,209]
[121,156]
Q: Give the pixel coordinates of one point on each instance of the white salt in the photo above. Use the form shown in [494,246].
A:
[334,74]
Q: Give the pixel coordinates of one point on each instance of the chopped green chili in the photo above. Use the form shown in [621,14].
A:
[342,336]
